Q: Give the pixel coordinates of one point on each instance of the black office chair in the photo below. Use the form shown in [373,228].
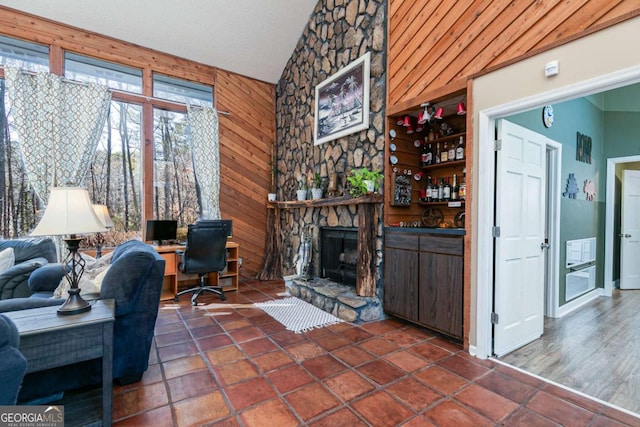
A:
[204,252]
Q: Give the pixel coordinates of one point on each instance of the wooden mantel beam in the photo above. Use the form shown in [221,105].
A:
[331,201]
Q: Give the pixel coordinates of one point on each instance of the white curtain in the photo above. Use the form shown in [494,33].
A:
[203,122]
[60,124]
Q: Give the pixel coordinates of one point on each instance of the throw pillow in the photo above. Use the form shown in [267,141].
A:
[7,259]
[91,280]
[100,277]
[86,286]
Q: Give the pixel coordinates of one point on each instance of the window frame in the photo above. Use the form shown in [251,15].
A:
[149,62]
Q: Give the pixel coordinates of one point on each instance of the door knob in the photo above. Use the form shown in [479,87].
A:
[544,246]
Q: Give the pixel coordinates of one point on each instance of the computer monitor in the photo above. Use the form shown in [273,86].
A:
[227,222]
[159,230]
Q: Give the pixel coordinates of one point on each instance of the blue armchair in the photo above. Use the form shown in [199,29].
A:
[13,365]
[134,280]
[30,254]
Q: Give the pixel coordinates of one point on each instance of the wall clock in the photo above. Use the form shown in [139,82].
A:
[547,116]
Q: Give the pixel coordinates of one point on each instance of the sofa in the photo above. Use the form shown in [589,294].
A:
[30,254]
[134,280]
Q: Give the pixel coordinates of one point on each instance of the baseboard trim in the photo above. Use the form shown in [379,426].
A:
[579,302]
[473,351]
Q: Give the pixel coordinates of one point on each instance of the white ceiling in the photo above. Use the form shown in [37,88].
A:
[254,38]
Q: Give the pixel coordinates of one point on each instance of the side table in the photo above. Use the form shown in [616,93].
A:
[49,340]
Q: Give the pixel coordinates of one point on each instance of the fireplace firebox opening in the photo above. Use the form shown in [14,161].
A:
[339,254]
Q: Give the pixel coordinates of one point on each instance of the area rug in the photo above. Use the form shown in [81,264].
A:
[296,315]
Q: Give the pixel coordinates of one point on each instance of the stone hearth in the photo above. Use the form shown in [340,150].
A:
[335,298]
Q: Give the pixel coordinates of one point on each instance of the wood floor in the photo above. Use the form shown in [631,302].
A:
[595,350]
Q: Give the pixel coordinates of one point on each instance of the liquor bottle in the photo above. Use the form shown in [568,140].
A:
[452,152]
[462,191]
[429,189]
[444,154]
[460,149]
[434,191]
[441,190]
[429,155]
[446,191]
[424,157]
[437,157]
[455,188]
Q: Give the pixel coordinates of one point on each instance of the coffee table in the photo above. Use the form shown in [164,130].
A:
[49,340]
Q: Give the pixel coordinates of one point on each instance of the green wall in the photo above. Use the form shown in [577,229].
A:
[579,218]
[622,134]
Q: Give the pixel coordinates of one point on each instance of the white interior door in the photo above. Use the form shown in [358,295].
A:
[519,249]
[630,231]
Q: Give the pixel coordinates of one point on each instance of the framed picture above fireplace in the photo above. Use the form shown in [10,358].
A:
[342,102]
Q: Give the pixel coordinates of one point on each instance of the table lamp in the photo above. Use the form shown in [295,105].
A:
[103,215]
[69,213]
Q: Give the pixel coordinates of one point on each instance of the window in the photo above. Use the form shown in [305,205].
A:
[18,204]
[115,176]
[24,55]
[182,91]
[174,181]
[85,69]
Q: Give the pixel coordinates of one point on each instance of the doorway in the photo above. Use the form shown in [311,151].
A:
[612,230]
[485,182]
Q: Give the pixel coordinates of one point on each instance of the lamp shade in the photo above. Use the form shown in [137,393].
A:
[68,212]
[103,215]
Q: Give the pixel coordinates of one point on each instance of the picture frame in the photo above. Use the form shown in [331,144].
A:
[342,102]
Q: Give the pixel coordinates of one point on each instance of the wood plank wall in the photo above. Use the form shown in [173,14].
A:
[435,48]
[246,135]
[434,45]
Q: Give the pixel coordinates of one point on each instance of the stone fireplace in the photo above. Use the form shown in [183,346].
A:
[331,40]
[345,282]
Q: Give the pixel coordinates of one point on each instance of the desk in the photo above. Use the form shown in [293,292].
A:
[228,278]
[49,340]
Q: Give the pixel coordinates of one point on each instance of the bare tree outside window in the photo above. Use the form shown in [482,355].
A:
[114,178]
[174,180]
[18,202]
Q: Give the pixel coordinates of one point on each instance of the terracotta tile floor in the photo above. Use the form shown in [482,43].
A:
[229,364]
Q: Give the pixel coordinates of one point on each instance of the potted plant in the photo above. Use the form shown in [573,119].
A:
[316,186]
[364,181]
[301,193]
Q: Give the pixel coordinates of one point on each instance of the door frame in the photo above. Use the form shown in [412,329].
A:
[609,237]
[552,282]
[486,180]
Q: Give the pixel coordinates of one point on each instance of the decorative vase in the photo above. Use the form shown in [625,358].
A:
[301,194]
[316,193]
